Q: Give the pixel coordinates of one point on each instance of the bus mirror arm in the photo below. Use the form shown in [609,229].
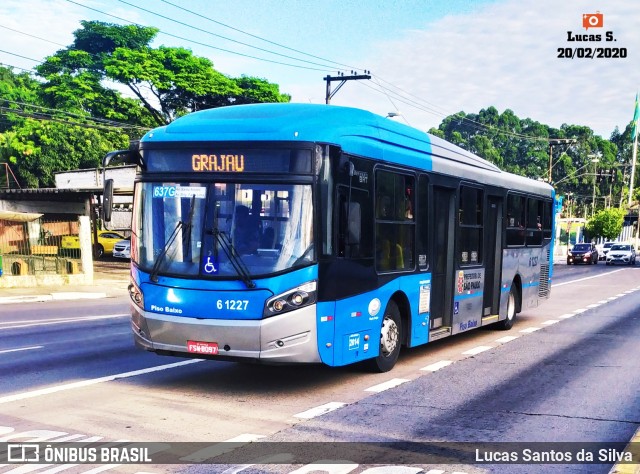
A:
[350,168]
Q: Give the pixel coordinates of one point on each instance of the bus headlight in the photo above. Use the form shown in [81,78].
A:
[295,298]
[136,295]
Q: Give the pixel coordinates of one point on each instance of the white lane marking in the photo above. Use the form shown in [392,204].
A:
[529,330]
[58,468]
[67,318]
[611,298]
[578,311]
[393,470]
[5,351]
[477,350]
[280,458]
[591,306]
[329,466]
[33,323]
[381,387]
[86,383]
[321,410]
[551,321]
[506,339]
[437,366]
[603,301]
[221,448]
[568,315]
[586,278]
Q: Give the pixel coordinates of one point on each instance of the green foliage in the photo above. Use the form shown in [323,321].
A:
[78,88]
[15,90]
[167,82]
[38,149]
[529,148]
[606,223]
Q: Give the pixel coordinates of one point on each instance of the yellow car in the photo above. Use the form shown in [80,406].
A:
[106,240]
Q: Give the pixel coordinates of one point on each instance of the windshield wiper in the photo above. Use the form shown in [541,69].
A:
[236,261]
[186,225]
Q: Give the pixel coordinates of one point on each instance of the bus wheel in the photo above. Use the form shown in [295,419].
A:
[507,323]
[390,340]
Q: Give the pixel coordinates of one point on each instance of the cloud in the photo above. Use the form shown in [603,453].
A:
[502,54]
[506,55]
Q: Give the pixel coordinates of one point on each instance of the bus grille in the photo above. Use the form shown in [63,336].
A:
[543,288]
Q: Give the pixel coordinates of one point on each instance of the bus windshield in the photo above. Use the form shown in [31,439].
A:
[229,230]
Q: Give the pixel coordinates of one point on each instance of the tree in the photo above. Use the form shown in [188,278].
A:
[522,146]
[166,81]
[38,149]
[606,223]
[15,91]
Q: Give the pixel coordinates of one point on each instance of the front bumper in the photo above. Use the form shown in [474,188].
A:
[287,338]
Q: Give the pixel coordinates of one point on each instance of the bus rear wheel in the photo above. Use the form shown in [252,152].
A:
[390,340]
[507,323]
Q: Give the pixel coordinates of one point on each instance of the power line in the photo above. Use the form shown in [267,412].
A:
[41,111]
[255,36]
[199,43]
[220,36]
[32,36]
[383,89]
[29,71]
[20,56]
[52,118]
[108,122]
[471,123]
[429,108]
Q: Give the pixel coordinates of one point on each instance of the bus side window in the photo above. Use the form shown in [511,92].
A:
[352,241]
[395,221]
[515,220]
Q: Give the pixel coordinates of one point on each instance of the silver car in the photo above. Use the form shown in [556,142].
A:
[122,249]
[621,253]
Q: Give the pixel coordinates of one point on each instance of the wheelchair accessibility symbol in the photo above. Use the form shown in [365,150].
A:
[209,266]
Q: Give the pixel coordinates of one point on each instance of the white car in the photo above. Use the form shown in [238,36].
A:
[604,249]
[621,253]
[122,249]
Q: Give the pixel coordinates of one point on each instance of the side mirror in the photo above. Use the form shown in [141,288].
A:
[107,200]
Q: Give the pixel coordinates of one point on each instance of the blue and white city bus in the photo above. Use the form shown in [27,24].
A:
[296,233]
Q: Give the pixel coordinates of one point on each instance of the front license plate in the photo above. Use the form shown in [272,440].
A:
[199,347]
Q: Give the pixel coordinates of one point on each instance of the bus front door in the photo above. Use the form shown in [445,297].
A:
[443,262]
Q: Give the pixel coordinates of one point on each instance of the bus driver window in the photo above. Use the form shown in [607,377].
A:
[246,235]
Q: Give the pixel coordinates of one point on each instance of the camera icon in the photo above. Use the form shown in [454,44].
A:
[592,20]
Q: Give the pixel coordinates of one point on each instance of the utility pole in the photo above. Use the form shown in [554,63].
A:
[342,78]
[557,141]
[594,159]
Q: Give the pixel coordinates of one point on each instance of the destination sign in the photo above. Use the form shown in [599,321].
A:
[272,161]
[221,163]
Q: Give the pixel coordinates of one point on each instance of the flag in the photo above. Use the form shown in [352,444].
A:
[636,116]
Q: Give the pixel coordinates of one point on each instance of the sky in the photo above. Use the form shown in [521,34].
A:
[428,58]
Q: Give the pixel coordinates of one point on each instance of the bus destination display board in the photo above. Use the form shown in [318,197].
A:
[228,161]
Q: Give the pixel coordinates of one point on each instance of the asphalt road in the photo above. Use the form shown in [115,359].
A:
[567,371]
